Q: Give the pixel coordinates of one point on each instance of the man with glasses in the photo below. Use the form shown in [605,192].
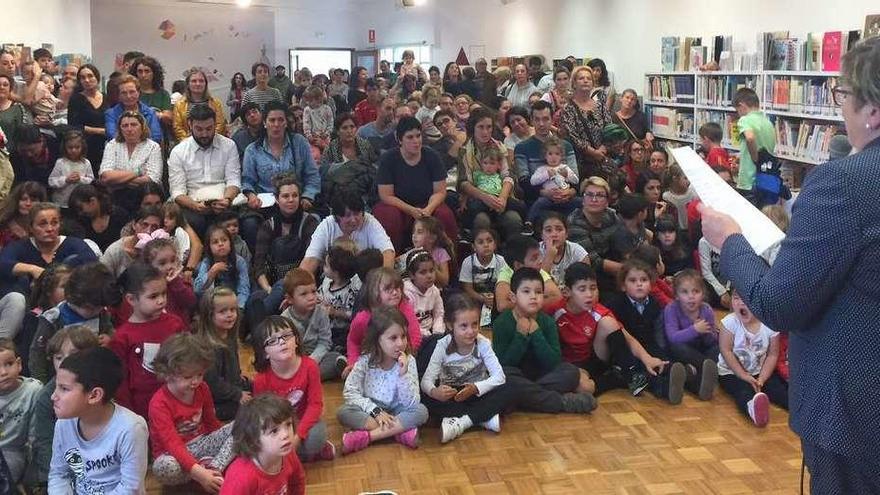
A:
[757,134]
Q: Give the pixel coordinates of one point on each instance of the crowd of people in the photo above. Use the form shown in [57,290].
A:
[347,227]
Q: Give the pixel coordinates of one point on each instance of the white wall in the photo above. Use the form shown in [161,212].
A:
[317,24]
[221,39]
[625,33]
[64,23]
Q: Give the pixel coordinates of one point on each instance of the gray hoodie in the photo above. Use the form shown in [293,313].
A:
[314,332]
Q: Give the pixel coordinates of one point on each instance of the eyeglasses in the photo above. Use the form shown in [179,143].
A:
[278,339]
[595,196]
[839,95]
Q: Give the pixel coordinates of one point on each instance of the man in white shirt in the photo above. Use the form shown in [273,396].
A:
[202,161]
[348,221]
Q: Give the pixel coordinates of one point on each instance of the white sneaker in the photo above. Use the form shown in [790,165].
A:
[452,428]
[494,424]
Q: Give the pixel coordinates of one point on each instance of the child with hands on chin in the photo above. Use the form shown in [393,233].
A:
[283,370]
[464,382]
[382,391]
[747,363]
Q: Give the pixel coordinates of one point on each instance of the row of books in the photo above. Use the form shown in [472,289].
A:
[719,90]
[693,53]
[670,89]
[801,95]
[817,52]
[804,139]
[671,122]
[728,121]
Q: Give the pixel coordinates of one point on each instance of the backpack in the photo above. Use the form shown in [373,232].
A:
[353,175]
[286,252]
[768,183]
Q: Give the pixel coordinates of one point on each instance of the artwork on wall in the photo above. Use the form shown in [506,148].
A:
[168,29]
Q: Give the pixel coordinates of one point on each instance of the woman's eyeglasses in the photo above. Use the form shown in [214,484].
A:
[839,95]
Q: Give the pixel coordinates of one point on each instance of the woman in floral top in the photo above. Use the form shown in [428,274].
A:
[582,122]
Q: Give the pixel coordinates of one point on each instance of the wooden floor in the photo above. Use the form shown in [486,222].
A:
[627,446]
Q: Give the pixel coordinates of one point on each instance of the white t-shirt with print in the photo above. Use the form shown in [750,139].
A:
[749,348]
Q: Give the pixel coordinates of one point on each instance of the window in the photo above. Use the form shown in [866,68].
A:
[394,54]
[318,60]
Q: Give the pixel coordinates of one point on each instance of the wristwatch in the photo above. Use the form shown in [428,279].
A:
[375,412]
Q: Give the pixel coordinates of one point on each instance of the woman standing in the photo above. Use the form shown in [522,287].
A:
[358,87]
[237,87]
[262,93]
[583,120]
[602,81]
[823,290]
[196,94]
[631,118]
[560,95]
[150,74]
[452,79]
[13,115]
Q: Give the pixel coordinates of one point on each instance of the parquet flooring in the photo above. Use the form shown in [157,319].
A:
[631,446]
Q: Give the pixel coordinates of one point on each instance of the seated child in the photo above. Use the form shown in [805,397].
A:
[383,288]
[678,193]
[229,221]
[464,382]
[188,442]
[89,290]
[673,250]
[48,292]
[338,293]
[522,252]
[747,363]
[222,267]
[527,344]
[137,341]
[72,169]
[717,292]
[428,235]
[99,446]
[691,334]
[554,177]
[557,252]
[593,340]
[382,391]
[284,371]
[66,341]
[640,314]
[660,289]
[493,179]
[631,232]
[189,245]
[266,460]
[17,397]
[479,271]
[217,324]
[311,322]
[710,137]
[424,296]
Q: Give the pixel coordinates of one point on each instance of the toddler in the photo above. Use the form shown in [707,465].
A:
[71,169]
[425,297]
[554,177]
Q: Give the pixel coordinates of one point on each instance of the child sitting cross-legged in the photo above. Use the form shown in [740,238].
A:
[527,344]
[639,313]
[188,441]
[747,363]
[593,340]
[382,391]
[92,430]
[464,382]
[283,370]
[267,462]
[311,322]
[338,293]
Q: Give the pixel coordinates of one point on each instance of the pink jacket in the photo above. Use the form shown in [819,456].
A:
[358,330]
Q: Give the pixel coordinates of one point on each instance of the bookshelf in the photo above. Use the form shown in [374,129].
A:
[799,104]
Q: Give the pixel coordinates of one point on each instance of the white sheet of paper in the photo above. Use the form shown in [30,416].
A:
[268,199]
[759,230]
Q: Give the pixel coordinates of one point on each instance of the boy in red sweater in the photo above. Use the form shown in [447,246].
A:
[188,441]
[137,341]
[283,370]
[710,137]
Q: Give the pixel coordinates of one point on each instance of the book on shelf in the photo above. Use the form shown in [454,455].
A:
[719,90]
[831,51]
[872,26]
[668,52]
[806,95]
[671,122]
[671,89]
[804,139]
[730,135]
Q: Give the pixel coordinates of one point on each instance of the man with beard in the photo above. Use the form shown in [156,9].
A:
[204,160]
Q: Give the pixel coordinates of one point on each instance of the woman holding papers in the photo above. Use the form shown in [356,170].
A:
[823,289]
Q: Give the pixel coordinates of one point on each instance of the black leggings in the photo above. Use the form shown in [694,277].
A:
[479,409]
[742,392]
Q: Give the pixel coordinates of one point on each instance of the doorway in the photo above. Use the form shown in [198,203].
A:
[320,60]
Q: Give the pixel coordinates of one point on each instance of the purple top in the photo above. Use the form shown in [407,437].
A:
[680,329]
